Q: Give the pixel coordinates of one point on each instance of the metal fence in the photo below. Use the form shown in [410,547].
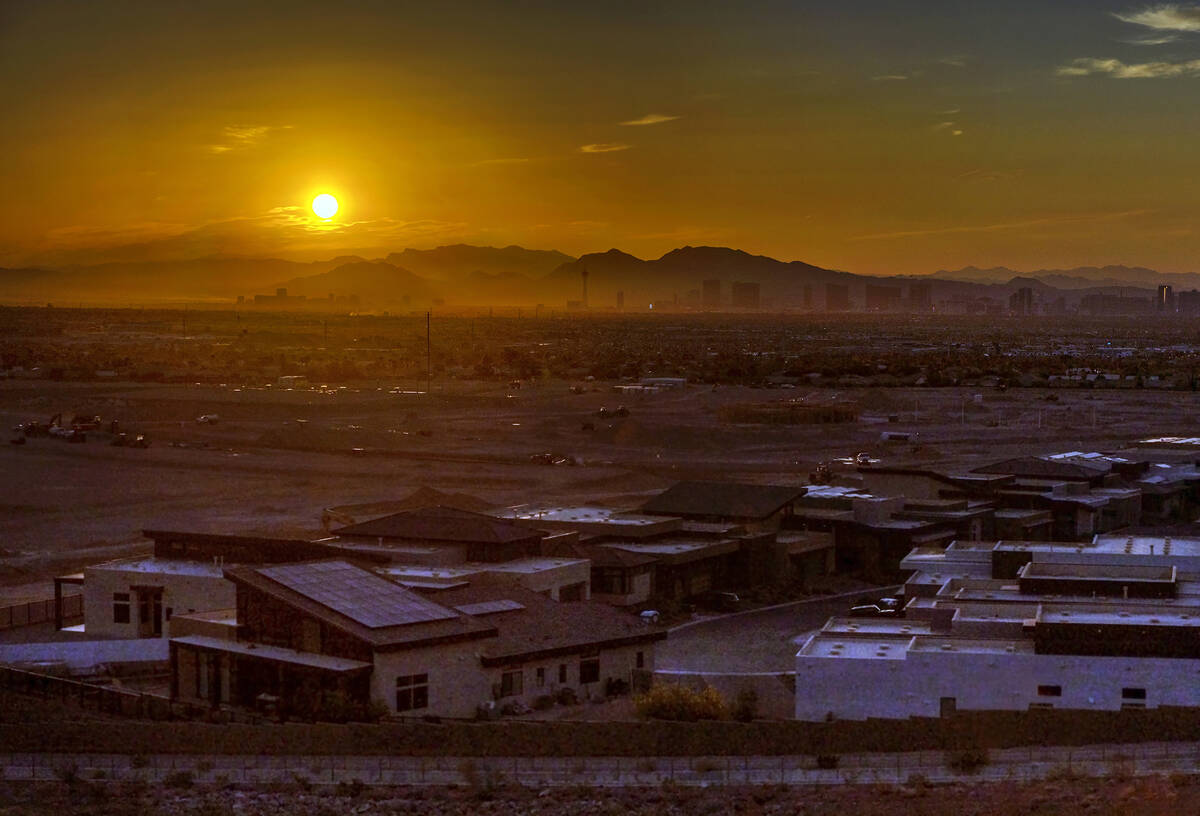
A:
[33,612]
[93,697]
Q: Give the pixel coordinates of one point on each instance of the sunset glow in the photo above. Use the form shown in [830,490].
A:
[325,206]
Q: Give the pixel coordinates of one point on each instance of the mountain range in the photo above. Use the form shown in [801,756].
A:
[514,276]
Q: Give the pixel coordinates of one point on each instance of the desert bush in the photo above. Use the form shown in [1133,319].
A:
[670,701]
[179,779]
[968,760]
[745,705]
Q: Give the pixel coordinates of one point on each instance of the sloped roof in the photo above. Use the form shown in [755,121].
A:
[724,499]
[601,556]
[442,524]
[1037,467]
[545,628]
[362,604]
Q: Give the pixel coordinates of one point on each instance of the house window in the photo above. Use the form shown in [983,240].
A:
[412,692]
[1049,691]
[120,607]
[1133,694]
[562,672]
[609,580]
[512,683]
[641,660]
[541,676]
[589,670]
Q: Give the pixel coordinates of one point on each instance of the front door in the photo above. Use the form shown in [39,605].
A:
[149,604]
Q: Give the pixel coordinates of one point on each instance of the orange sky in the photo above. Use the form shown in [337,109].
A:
[855,136]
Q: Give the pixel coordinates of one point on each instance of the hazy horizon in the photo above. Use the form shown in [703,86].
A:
[865,138]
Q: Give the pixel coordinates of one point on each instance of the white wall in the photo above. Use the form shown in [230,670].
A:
[457,683]
[181,593]
[852,688]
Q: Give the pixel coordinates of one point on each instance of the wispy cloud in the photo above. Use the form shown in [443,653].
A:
[949,127]
[889,77]
[1165,17]
[514,160]
[1120,70]
[954,62]
[983,175]
[1053,221]
[1153,39]
[239,137]
[650,119]
[604,147]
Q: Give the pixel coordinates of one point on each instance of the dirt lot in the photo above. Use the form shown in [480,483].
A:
[258,470]
[1149,796]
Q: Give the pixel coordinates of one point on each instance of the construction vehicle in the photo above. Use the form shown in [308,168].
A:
[125,440]
[329,517]
[821,474]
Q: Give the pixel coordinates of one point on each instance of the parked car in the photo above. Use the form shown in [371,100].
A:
[719,601]
[878,608]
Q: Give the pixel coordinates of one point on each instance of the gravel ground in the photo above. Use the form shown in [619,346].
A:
[1154,795]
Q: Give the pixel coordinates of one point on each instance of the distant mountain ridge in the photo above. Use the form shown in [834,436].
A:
[1082,277]
[467,275]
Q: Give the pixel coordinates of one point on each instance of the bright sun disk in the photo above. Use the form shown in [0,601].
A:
[325,205]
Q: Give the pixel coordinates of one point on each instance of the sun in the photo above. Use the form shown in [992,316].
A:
[325,206]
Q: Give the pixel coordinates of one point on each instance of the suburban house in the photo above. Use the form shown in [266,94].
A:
[305,630]
[1107,625]
[439,547]
[755,507]
[137,597]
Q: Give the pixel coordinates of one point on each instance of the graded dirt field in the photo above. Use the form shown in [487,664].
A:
[1153,796]
[259,470]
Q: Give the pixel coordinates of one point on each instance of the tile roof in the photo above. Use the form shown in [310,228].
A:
[442,524]
[545,628]
[726,499]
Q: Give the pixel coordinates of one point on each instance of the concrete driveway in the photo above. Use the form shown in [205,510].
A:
[760,641]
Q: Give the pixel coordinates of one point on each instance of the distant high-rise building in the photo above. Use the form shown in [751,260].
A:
[620,300]
[808,296]
[1164,299]
[920,296]
[882,298]
[711,298]
[837,297]
[583,273]
[1188,302]
[745,295]
[1020,302]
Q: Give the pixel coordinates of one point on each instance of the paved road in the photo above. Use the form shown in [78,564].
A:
[762,641]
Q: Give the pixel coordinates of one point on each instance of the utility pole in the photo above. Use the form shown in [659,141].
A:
[428,367]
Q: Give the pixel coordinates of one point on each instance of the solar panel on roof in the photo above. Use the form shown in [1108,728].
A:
[490,607]
[359,595]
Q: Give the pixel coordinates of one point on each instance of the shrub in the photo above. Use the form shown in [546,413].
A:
[745,705]
[352,789]
[670,701]
[543,702]
[828,762]
[968,760]
[179,779]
